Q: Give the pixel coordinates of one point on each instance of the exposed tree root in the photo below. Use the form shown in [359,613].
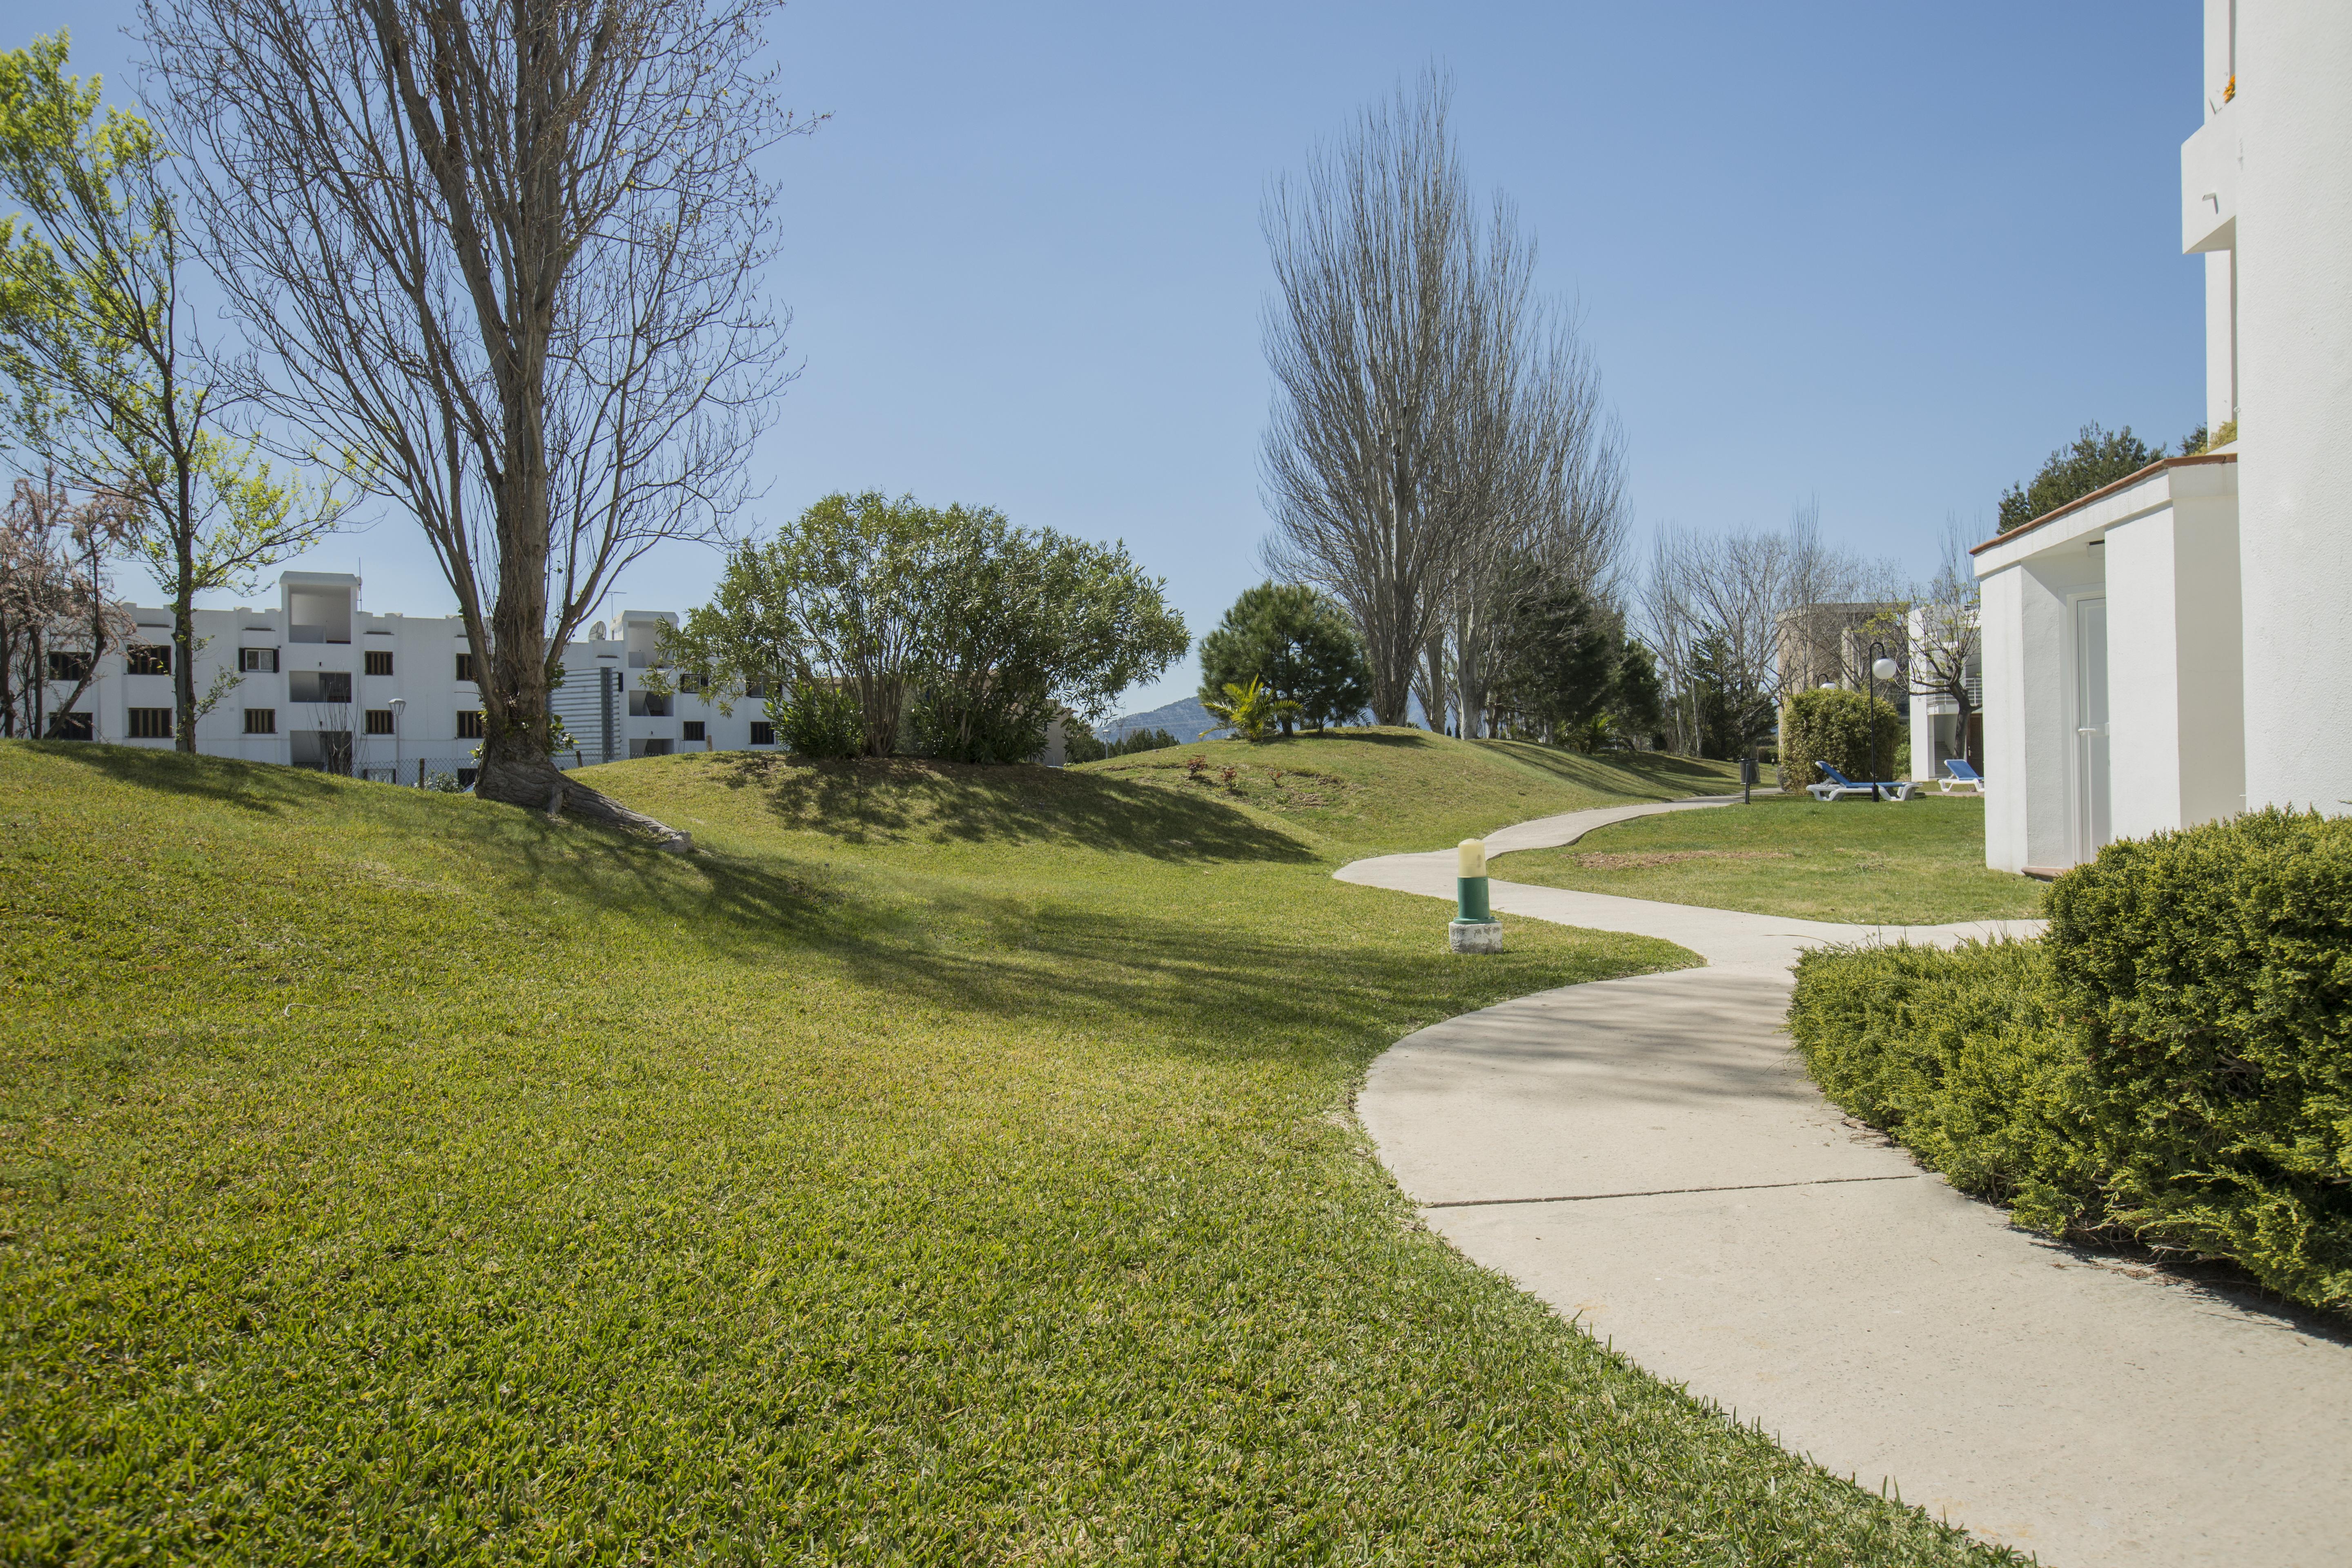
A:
[542,786]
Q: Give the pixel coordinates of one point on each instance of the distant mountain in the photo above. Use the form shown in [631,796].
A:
[1184,719]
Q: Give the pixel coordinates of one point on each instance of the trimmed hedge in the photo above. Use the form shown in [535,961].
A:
[1829,724]
[2172,1063]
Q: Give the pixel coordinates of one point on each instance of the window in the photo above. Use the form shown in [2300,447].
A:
[762,734]
[466,777]
[264,659]
[261,721]
[379,663]
[148,658]
[379,719]
[464,667]
[694,729]
[648,705]
[68,666]
[319,685]
[70,727]
[470,725]
[151,723]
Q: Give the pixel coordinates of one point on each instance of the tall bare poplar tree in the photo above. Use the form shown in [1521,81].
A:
[509,255]
[1434,428]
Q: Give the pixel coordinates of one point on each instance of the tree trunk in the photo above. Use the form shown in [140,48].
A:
[512,776]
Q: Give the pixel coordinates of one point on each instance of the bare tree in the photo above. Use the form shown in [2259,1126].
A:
[1782,611]
[1430,423]
[1946,637]
[57,619]
[508,254]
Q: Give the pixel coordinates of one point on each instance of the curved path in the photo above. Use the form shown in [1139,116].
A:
[1648,1156]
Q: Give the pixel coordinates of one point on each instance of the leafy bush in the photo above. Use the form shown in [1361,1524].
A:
[1252,710]
[816,718]
[2173,1063]
[1832,725]
[946,624]
[2210,975]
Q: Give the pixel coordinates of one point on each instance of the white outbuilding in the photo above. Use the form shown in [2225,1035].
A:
[2178,647]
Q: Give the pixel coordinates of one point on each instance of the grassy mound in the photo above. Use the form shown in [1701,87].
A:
[1917,863]
[1370,792]
[937,1165]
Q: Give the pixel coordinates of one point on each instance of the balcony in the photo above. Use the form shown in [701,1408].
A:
[2208,184]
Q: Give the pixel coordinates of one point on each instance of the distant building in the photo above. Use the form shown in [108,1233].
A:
[321,683]
[2176,648]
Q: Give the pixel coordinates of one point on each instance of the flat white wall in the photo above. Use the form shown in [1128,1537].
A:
[2005,748]
[2294,391]
[2175,693]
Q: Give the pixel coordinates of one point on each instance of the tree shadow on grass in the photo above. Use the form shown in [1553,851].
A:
[266,788]
[1212,988]
[910,799]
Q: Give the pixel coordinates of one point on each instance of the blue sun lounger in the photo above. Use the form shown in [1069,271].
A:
[1839,786]
[1959,777]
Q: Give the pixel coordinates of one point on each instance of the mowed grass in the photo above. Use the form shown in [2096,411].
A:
[1374,790]
[940,1165]
[1916,862]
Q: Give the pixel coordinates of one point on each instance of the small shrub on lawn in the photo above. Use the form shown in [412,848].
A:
[820,720]
[2173,1063]
[1832,726]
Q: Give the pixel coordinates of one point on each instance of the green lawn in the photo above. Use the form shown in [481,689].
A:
[940,1165]
[1370,792]
[1917,862]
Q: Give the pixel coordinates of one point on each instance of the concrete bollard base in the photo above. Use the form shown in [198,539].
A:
[1474,936]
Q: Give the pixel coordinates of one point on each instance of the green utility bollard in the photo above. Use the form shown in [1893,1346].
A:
[1475,927]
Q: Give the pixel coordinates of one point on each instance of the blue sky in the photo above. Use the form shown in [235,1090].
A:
[1883,256]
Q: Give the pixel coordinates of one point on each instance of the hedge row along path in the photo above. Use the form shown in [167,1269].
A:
[1648,1156]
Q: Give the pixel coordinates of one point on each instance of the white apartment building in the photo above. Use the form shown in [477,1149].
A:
[322,683]
[2178,647]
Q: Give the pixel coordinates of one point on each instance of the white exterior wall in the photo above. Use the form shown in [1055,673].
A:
[2176,692]
[425,653]
[2293,257]
[2008,841]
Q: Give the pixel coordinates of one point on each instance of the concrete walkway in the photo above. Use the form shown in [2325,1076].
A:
[1648,1156]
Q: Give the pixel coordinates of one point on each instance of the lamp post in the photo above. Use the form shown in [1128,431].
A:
[397,705]
[1880,668]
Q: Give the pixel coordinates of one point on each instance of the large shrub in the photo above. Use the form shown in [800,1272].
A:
[948,625]
[1830,724]
[2210,975]
[2173,1062]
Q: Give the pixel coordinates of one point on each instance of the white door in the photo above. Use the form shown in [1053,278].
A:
[2091,819]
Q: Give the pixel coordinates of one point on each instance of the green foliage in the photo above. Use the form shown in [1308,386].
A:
[1297,642]
[1637,698]
[1833,725]
[2173,1063]
[2097,458]
[92,338]
[1556,660]
[818,719]
[950,623]
[1732,714]
[444,783]
[2210,975]
[1959,1054]
[1252,712]
[1136,741]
